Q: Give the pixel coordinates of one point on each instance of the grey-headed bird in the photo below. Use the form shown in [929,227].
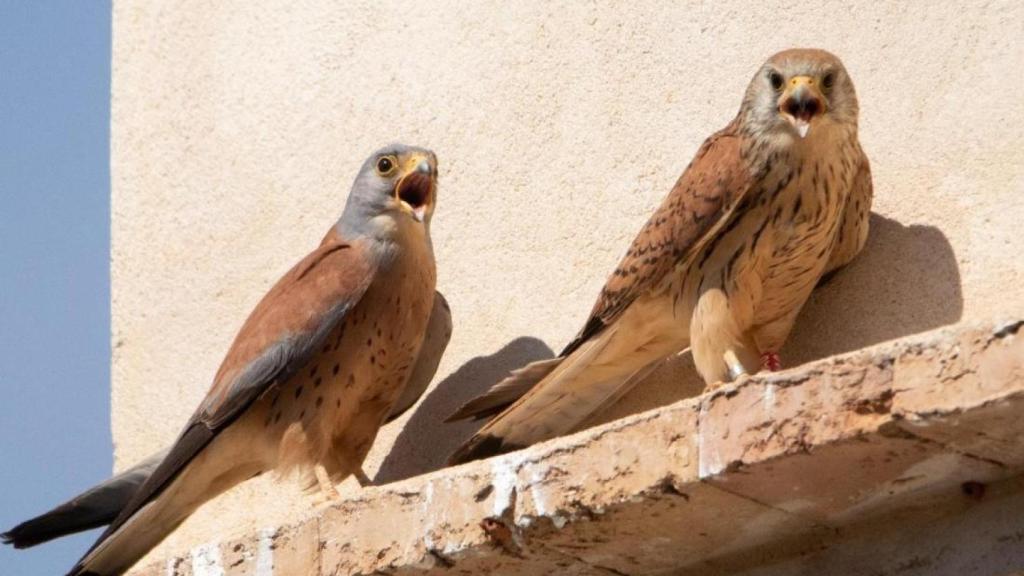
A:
[315,369]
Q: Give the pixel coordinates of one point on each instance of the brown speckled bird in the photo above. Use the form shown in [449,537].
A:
[315,369]
[769,204]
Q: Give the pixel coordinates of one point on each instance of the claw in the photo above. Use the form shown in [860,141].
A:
[771,361]
[327,490]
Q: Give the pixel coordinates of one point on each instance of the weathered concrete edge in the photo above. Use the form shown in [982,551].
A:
[434,521]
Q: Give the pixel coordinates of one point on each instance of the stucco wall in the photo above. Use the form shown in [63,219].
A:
[238,127]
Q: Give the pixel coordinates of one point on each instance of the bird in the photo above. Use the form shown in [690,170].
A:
[315,368]
[768,205]
[99,505]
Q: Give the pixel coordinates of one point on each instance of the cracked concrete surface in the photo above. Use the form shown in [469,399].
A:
[900,459]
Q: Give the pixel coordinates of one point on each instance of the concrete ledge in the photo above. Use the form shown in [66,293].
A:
[898,459]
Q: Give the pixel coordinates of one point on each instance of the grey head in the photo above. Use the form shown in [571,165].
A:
[396,188]
[799,93]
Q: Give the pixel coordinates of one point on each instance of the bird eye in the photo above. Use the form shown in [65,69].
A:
[385,165]
[828,80]
[776,79]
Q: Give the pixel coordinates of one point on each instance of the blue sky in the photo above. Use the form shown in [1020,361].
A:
[54,264]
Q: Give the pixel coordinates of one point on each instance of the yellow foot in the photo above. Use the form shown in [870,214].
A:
[328,492]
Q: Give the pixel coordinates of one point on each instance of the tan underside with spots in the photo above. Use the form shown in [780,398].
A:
[330,411]
[331,423]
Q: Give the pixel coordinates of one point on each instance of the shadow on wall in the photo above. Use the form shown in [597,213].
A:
[905,281]
[425,441]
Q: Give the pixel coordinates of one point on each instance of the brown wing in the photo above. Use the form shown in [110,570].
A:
[279,336]
[709,188]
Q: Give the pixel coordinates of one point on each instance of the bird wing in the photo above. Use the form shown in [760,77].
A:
[705,194]
[435,341]
[703,203]
[282,332]
[504,393]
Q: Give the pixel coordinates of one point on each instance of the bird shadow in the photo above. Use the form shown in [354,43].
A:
[905,281]
[426,440]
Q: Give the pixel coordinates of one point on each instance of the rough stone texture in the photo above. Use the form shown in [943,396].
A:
[237,127]
[850,465]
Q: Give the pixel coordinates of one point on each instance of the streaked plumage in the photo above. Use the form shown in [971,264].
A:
[770,203]
[101,504]
[314,370]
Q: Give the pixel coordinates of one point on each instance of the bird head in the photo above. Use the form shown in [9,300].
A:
[800,92]
[396,187]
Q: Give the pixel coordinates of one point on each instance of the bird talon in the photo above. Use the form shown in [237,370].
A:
[328,492]
[771,361]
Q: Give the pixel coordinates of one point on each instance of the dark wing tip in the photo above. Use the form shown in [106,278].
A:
[476,409]
[29,533]
[479,447]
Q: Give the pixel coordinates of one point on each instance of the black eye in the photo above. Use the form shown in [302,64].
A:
[828,80]
[776,79]
[384,165]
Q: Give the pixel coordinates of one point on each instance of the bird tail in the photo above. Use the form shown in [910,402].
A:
[97,506]
[507,391]
[596,374]
[206,476]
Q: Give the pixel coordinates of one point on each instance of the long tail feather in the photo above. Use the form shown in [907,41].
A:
[505,392]
[214,469]
[97,506]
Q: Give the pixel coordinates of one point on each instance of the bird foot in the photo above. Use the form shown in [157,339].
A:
[770,361]
[736,368]
[328,492]
[723,383]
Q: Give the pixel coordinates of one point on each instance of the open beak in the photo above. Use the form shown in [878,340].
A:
[801,103]
[415,190]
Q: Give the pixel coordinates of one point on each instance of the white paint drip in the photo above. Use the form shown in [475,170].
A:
[709,462]
[206,560]
[265,552]
[428,497]
[539,501]
[503,478]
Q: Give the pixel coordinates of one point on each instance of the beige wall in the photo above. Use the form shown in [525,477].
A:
[238,127]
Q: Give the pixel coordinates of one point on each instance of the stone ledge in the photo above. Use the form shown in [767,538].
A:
[808,465]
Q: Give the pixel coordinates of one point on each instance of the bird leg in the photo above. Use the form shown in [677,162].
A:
[736,368]
[327,488]
[770,361]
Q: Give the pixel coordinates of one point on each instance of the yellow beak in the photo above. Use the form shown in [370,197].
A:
[415,190]
[801,102]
